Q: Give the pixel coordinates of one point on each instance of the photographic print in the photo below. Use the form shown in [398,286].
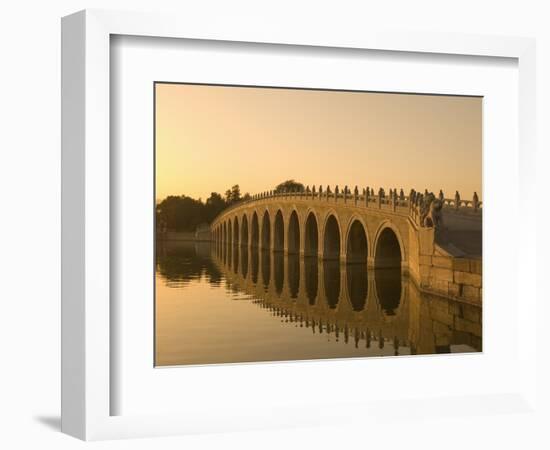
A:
[300,224]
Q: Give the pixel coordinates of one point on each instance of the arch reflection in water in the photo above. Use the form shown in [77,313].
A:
[311,272]
[244,261]
[357,285]
[266,268]
[388,289]
[376,312]
[293,275]
[235,258]
[254,263]
[279,268]
[331,279]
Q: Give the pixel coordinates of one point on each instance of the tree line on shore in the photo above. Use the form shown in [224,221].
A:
[184,213]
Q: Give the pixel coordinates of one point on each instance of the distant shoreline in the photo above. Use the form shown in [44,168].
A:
[189,236]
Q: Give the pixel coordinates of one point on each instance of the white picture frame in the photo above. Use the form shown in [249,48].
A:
[86,214]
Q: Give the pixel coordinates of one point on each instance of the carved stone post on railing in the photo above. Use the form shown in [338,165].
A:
[441,195]
[475,202]
[328,192]
[356,195]
[313,192]
[345,193]
[380,196]
[336,191]
[307,191]
[457,200]
[367,195]
[402,195]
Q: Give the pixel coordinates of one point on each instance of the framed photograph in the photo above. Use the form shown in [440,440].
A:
[351,271]
[251,215]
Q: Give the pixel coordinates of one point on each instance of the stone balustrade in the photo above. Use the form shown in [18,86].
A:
[410,204]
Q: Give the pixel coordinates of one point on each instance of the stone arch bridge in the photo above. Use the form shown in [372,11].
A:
[439,248]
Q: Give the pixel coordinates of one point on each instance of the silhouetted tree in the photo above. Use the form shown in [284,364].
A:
[214,205]
[183,213]
[289,185]
[235,193]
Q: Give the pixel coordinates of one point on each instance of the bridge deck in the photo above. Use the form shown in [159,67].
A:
[462,236]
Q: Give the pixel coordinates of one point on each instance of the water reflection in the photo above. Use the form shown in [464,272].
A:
[255,261]
[180,263]
[266,268]
[244,262]
[311,278]
[388,289]
[278,260]
[331,278]
[357,285]
[235,259]
[293,275]
[315,309]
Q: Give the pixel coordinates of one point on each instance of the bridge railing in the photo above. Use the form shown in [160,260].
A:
[417,205]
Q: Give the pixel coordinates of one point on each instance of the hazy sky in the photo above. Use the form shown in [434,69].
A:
[209,138]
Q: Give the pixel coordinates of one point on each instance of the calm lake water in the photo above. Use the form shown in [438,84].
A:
[230,305]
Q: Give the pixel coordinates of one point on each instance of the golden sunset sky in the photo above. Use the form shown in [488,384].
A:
[209,138]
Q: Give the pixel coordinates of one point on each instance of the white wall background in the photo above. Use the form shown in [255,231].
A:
[30,195]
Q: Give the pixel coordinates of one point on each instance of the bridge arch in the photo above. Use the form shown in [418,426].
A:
[331,237]
[236,231]
[266,231]
[229,233]
[244,231]
[293,235]
[389,251]
[255,231]
[279,232]
[357,241]
[311,235]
